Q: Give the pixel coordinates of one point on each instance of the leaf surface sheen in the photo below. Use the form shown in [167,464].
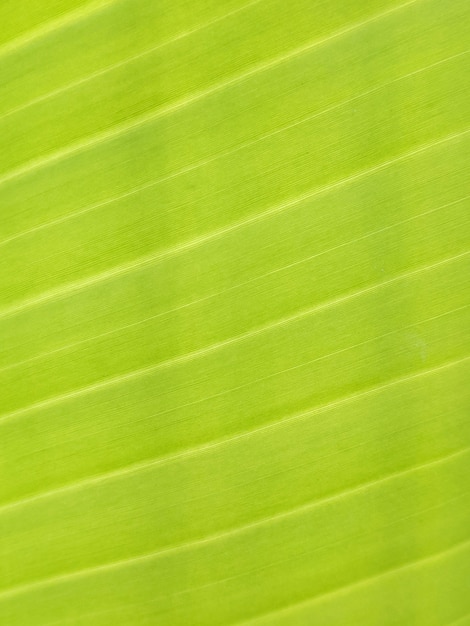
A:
[234,319]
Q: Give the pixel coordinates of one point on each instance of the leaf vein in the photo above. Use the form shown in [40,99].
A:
[118,129]
[45,582]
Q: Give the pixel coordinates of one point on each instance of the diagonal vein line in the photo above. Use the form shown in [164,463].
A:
[278,423]
[115,380]
[278,562]
[70,288]
[118,129]
[462,545]
[246,144]
[330,545]
[319,502]
[189,356]
[326,546]
[45,582]
[55,24]
[211,296]
[124,62]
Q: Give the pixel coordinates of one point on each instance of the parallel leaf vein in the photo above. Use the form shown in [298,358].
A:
[115,380]
[24,588]
[69,288]
[115,131]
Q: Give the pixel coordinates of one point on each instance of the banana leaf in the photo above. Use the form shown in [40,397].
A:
[234,323]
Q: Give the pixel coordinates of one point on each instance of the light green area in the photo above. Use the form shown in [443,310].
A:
[234,320]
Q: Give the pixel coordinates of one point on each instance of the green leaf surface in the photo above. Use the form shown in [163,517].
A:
[234,313]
